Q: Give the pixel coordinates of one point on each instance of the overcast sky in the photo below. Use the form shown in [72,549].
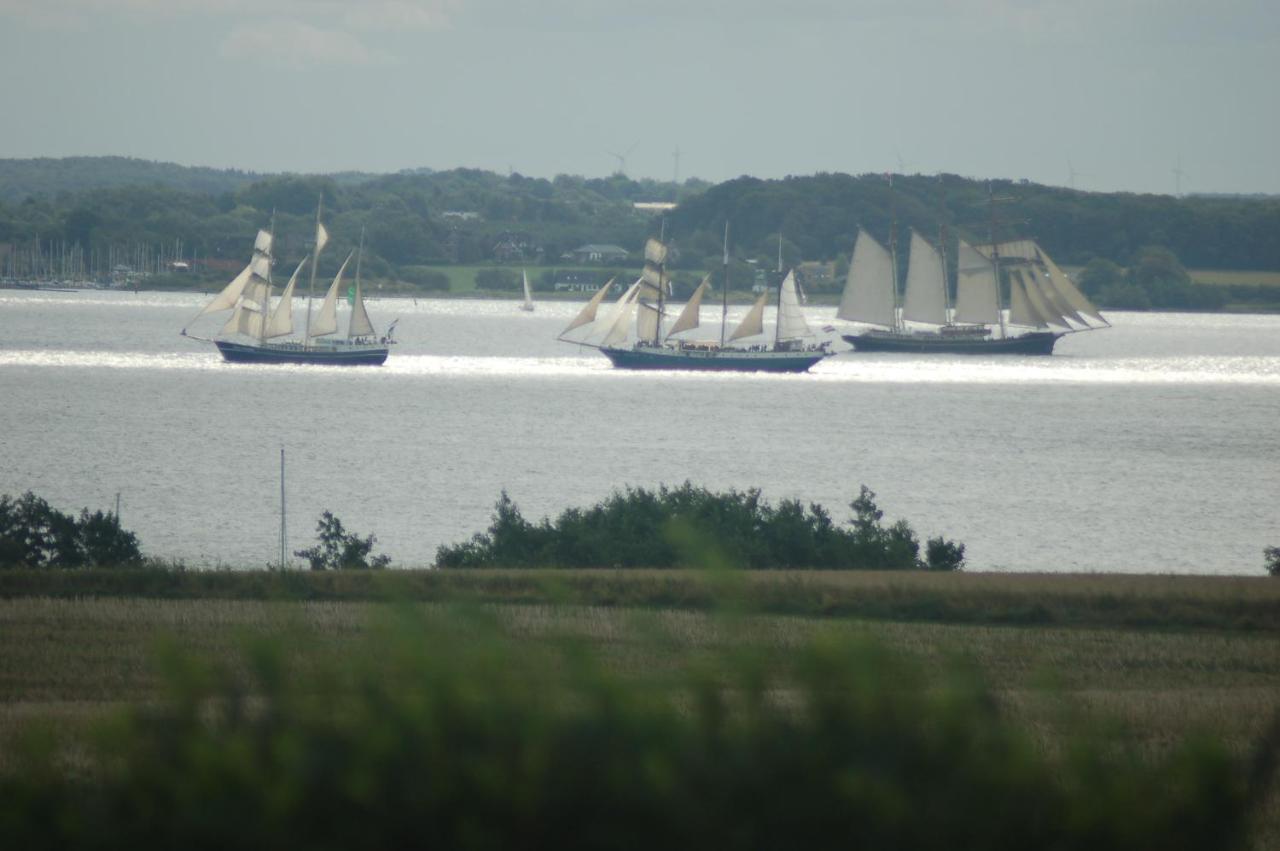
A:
[1119,91]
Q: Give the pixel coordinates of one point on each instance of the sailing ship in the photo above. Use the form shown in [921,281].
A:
[254,332]
[1044,304]
[643,302]
[528,296]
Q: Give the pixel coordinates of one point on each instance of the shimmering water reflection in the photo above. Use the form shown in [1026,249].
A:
[1146,447]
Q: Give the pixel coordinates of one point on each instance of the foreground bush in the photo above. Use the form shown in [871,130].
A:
[644,528]
[32,534]
[445,733]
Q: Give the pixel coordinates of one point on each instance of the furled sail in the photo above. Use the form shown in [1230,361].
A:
[925,300]
[588,314]
[791,322]
[868,291]
[647,324]
[975,287]
[281,322]
[688,317]
[753,323]
[359,326]
[326,322]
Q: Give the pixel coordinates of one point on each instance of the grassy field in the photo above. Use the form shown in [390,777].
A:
[1152,659]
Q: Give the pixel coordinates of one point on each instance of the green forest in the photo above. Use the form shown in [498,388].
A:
[105,210]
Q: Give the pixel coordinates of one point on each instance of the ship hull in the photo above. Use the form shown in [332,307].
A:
[1035,343]
[336,355]
[713,360]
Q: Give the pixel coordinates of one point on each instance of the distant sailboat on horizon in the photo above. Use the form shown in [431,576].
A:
[528,296]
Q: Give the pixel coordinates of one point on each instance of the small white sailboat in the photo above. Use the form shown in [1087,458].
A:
[528,296]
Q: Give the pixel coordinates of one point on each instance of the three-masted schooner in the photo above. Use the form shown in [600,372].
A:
[254,331]
[1044,304]
[644,301]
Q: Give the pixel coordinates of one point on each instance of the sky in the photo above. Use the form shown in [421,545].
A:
[1105,95]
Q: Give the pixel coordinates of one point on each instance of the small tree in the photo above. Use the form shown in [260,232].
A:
[1272,555]
[941,554]
[341,550]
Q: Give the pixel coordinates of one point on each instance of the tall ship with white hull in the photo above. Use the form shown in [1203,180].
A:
[643,304]
[260,332]
[1044,304]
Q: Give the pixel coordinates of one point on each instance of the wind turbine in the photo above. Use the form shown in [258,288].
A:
[902,164]
[622,158]
[1072,174]
[1178,174]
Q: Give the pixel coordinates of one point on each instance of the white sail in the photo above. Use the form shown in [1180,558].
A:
[261,266]
[753,323]
[230,294]
[925,300]
[619,320]
[528,298]
[688,317]
[647,323]
[326,322]
[654,278]
[1040,306]
[791,322]
[588,314]
[1068,290]
[322,238]
[262,243]
[868,291]
[975,287]
[281,322]
[1020,309]
[1040,280]
[655,252]
[614,326]
[250,313]
[359,326]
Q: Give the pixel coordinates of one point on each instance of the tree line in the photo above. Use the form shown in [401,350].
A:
[423,218]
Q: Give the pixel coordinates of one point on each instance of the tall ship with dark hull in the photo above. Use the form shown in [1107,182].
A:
[643,305]
[261,332]
[1044,304]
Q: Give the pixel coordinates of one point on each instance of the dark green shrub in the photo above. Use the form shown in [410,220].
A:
[339,549]
[1272,555]
[632,528]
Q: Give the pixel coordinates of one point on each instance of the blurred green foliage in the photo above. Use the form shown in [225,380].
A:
[631,528]
[441,730]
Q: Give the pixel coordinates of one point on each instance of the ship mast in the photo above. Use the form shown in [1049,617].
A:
[896,324]
[724,306]
[662,274]
[995,257]
[266,301]
[311,287]
[942,251]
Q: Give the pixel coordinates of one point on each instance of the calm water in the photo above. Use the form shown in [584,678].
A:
[1147,447]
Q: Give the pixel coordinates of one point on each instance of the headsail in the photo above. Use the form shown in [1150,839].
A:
[619,319]
[1040,306]
[259,264]
[975,287]
[868,290]
[1020,310]
[688,317]
[326,322]
[1068,290]
[753,323]
[588,313]
[926,298]
[791,322]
